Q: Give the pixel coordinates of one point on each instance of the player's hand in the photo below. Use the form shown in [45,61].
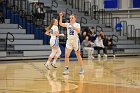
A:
[61,13]
[47,33]
[61,34]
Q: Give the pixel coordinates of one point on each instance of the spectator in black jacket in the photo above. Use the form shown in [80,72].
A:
[83,36]
[108,43]
[93,35]
[2,19]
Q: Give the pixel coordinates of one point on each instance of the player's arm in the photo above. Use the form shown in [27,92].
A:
[77,29]
[60,20]
[61,34]
[47,32]
[57,34]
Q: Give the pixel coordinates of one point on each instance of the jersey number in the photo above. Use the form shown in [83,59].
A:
[71,31]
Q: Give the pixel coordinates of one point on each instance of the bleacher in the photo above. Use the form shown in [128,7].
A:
[28,35]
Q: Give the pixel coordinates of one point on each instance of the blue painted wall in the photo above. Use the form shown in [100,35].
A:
[136,3]
[109,4]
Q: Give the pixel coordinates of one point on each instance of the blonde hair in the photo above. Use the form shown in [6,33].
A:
[73,15]
[50,26]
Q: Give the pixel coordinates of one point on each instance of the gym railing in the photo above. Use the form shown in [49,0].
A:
[105,17]
[8,39]
[124,31]
[137,36]
[99,28]
[83,20]
[131,32]
[87,8]
[115,38]
[94,12]
[54,4]
[68,13]
[115,21]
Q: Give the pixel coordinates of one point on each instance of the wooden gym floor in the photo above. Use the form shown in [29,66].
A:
[120,75]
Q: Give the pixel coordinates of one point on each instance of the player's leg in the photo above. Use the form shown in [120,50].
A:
[78,55]
[47,64]
[67,54]
[58,53]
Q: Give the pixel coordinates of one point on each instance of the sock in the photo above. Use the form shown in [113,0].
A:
[67,67]
[48,62]
[54,61]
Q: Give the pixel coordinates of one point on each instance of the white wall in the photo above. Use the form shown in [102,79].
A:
[124,4]
[133,21]
[100,4]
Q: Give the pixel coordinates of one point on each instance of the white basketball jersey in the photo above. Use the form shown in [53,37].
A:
[53,30]
[71,34]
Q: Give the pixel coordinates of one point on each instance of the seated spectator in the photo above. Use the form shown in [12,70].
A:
[87,30]
[93,35]
[88,46]
[83,36]
[34,10]
[109,45]
[41,12]
[99,46]
[102,35]
[2,19]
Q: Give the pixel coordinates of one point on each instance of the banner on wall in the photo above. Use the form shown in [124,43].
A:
[136,3]
[111,4]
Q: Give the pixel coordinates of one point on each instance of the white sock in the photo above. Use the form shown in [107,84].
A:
[54,61]
[48,62]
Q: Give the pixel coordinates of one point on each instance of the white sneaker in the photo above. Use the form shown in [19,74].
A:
[66,71]
[99,56]
[54,65]
[105,55]
[92,57]
[47,66]
[81,71]
[114,56]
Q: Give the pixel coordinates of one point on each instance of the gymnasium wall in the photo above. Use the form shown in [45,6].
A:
[125,10]
[133,21]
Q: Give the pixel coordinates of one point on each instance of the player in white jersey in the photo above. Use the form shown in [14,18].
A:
[52,30]
[73,42]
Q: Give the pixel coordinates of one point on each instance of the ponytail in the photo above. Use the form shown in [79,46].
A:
[49,27]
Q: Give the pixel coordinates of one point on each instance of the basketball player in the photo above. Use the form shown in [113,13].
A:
[52,30]
[73,41]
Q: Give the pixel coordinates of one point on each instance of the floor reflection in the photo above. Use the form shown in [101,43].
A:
[119,75]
